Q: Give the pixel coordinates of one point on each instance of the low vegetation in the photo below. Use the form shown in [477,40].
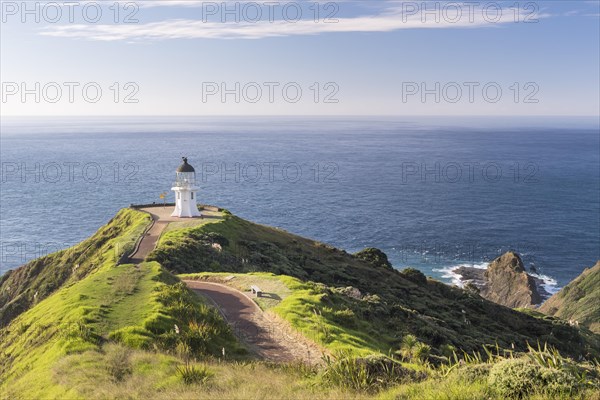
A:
[109,331]
[138,306]
[540,373]
[328,316]
[33,282]
[578,301]
[392,303]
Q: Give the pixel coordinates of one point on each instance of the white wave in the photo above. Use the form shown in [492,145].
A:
[451,274]
[549,284]
[448,273]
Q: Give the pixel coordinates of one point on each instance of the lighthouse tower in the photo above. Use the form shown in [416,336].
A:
[185,192]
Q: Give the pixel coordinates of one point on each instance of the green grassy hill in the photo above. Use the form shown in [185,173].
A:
[31,283]
[99,311]
[392,303]
[579,300]
[109,331]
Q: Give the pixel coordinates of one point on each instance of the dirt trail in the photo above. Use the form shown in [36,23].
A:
[266,334]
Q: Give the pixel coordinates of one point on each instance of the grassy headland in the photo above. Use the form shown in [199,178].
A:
[392,303]
[103,330]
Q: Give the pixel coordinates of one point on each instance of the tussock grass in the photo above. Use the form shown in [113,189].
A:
[366,374]
[158,376]
[194,374]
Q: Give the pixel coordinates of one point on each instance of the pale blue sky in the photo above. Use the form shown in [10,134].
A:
[374,53]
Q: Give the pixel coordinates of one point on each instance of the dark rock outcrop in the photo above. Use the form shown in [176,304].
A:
[505,282]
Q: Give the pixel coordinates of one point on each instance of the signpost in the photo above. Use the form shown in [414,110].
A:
[163,196]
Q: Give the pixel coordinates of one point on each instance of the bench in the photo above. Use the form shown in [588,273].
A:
[256,290]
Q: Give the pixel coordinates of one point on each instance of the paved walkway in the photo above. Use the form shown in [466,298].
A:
[267,335]
[161,217]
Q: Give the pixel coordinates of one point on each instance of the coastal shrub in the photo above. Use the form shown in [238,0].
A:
[431,310]
[367,374]
[471,288]
[447,350]
[430,332]
[407,347]
[349,291]
[559,382]
[214,266]
[421,351]
[199,335]
[412,349]
[375,257]
[216,238]
[414,275]
[521,377]
[515,378]
[473,372]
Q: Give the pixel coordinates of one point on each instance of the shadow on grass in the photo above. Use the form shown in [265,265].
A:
[270,296]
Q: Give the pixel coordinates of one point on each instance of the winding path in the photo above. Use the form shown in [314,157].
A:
[150,239]
[266,334]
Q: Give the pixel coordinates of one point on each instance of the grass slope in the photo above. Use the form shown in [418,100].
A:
[31,283]
[121,304]
[399,303]
[324,315]
[102,304]
[579,300]
[136,332]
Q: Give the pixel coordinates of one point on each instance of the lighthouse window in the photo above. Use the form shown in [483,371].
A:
[192,196]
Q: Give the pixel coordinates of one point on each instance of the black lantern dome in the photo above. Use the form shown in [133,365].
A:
[185,167]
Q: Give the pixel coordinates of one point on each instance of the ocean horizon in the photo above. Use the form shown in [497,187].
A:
[432,193]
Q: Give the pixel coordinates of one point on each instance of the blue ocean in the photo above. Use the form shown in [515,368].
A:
[432,193]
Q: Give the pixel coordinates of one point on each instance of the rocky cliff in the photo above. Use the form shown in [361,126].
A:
[505,282]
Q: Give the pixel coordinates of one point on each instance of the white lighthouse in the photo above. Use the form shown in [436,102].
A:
[185,192]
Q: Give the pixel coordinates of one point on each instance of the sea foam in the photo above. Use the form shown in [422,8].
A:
[549,284]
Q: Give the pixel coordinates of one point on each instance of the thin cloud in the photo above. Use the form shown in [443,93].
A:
[204,3]
[390,20]
[170,3]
